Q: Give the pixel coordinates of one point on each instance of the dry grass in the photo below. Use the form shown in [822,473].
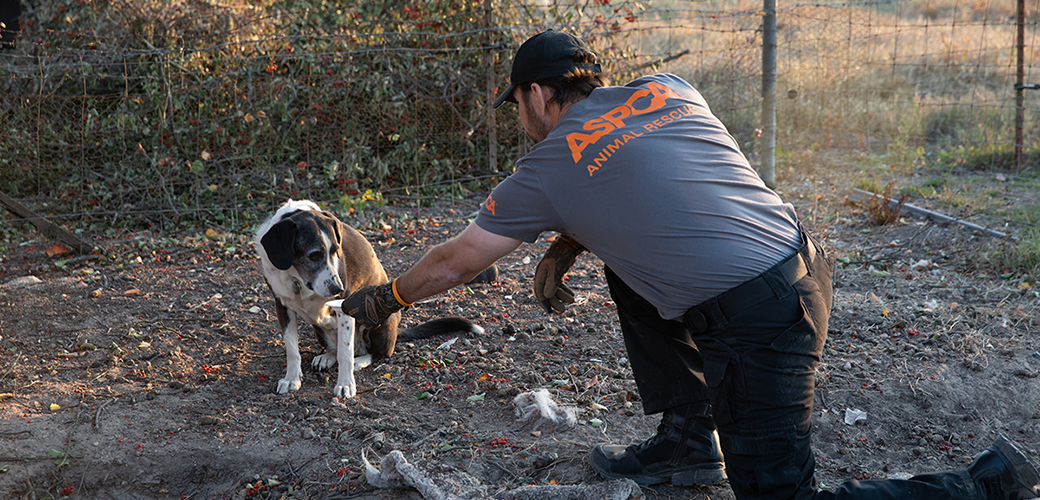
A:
[884,78]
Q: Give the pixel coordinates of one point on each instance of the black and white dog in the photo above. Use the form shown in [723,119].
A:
[309,257]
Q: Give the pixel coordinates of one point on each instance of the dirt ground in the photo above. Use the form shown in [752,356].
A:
[150,372]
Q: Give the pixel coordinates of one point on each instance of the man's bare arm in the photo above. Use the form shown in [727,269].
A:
[454,262]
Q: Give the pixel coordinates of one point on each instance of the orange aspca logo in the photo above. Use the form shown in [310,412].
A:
[490,204]
[657,95]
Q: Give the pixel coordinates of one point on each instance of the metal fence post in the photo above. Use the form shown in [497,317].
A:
[767,161]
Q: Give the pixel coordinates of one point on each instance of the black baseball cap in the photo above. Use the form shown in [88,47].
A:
[546,55]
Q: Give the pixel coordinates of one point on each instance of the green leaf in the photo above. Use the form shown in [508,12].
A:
[423,395]
[55,454]
[476,397]
[595,422]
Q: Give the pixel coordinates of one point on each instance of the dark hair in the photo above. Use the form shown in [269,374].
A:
[575,85]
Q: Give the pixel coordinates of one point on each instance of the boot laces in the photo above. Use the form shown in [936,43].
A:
[662,433]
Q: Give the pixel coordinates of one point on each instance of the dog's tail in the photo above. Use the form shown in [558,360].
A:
[439,326]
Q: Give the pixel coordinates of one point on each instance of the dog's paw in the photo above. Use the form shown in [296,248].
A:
[362,361]
[285,385]
[347,390]
[324,361]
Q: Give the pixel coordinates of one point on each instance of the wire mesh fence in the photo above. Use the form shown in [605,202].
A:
[158,112]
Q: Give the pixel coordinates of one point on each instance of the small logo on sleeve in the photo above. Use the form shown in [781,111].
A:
[490,204]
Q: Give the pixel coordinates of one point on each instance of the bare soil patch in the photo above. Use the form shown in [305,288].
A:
[150,373]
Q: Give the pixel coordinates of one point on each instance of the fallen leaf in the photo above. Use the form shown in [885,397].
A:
[595,422]
[132,291]
[1024,286]
[476,397]
[55,407]
[67,355]
[484,377]
[592,382]
[205,155]
[57,249]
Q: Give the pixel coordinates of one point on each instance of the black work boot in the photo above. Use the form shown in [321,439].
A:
[685,450]
[1002,472]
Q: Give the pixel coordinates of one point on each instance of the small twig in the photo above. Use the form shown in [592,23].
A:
[23,459]
[167,318]
[504,469]
[10,434]
[97,416]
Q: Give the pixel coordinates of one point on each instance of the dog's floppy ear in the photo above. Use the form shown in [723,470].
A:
[335,225]
[280,243]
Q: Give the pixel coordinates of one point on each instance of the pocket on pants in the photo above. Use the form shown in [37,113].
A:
[787,474]
[800,339]
[780,378]
[726,386]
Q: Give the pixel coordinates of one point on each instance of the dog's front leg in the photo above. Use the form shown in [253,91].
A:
[293,363]
[346,386]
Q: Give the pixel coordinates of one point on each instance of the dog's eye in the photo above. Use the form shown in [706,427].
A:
[315,256]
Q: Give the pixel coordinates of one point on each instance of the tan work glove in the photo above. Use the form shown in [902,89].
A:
[549,289]
[372,305]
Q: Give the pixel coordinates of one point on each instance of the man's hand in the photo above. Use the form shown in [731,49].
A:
[548,277]
[372,305]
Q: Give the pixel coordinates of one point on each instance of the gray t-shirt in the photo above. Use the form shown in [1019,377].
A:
[652,183]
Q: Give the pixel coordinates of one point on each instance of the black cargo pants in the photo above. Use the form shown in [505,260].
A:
[757,368]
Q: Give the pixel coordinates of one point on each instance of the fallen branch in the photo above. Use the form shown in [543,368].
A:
[859,196]
[48,228]
[395,472]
